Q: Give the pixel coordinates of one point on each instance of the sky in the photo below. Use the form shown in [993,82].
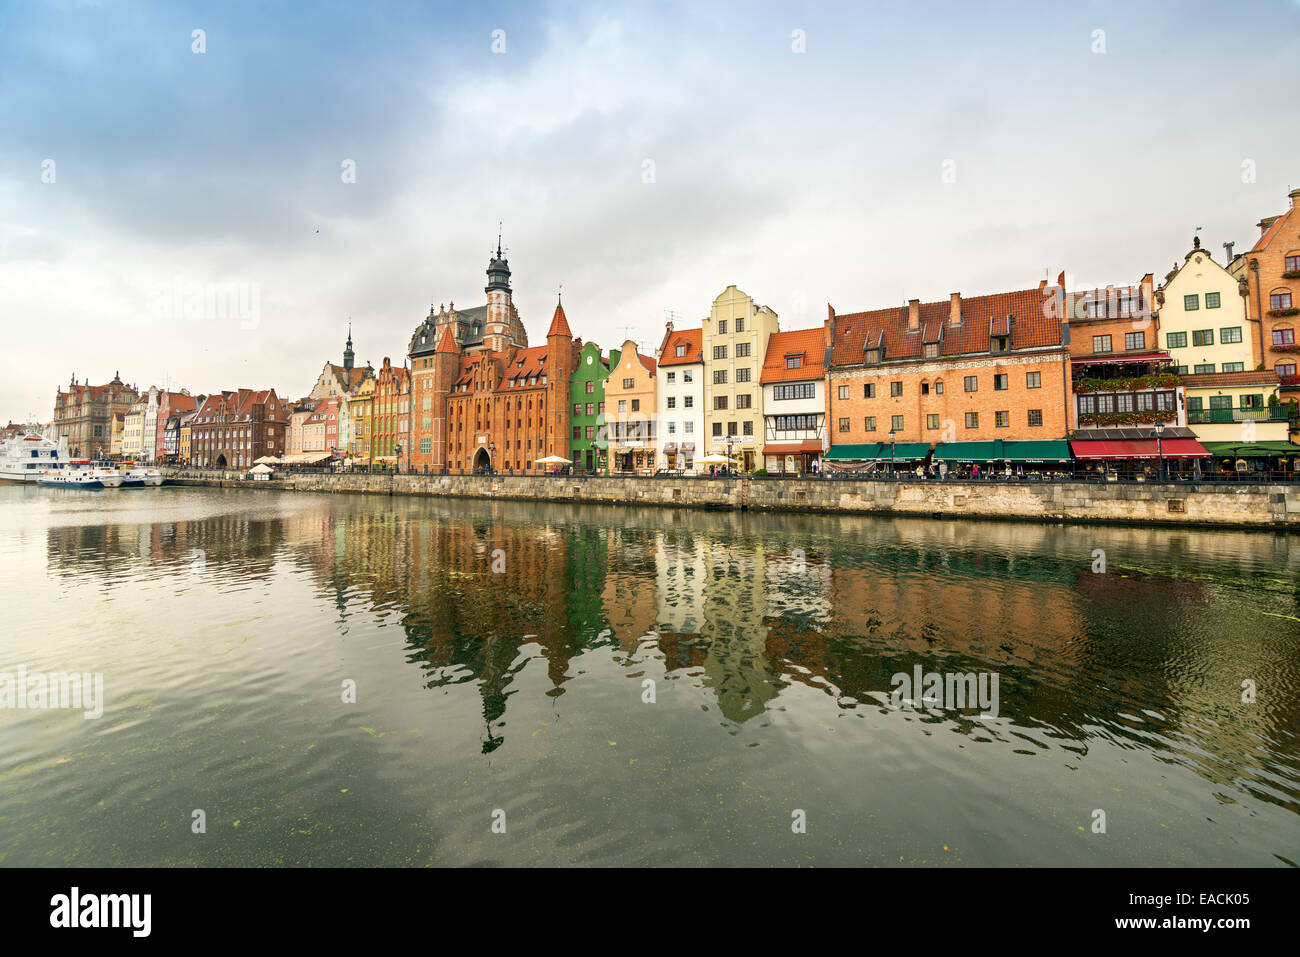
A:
[333,162]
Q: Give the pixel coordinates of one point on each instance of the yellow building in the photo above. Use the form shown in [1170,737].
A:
[361,407]
[1201,316]
[631,425]
[735,335]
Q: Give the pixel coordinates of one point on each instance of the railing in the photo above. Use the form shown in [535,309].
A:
[1229,416]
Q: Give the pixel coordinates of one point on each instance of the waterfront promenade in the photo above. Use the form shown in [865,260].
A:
[1260,505]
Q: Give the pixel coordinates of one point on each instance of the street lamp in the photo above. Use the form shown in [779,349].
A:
[1160,450]
[891,452]
[397,454]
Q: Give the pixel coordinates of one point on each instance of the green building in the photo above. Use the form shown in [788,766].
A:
[587,445]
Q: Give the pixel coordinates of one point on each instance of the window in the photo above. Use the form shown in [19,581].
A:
[717,428]
[1220,402]
[1194,403]
[628,383]
[742,375]
[873,356]
[931,350]
[1251,401]
[672,402]
[672,428]
[1283,337]
[1211,300]
[577,408]
[842,392]
[1000,382]
[971,383]
[1035,418]
[744,401]
[672,377]
[1176,340]
[1101,343]
[844,424]
[1202,337]
[688,375]
[1285,368]
[719,376]
[740,323]
[1233,367]
[1002,420]
[1230,334]
[972,420]
[690,427]
[868,423]
[1135,340]
[1000,343]
[1203,368]
[591,432]
[1279,300]
[748,427]
[722,327]
[793,362]
[938,387]
[622,406]
[719,401]
[931,421]
[719,352]
[742,349]
[591,409]
[1033,380]
[868,391]
[896,423]
[681,351]
[1293,264]
[1191,303]
[895,389]
[800,390]
[577,431]
[925,388]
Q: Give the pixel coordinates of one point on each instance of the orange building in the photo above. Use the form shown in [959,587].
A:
[390,416]
[1271,271]
[630,412]
[967,369]
[495,410]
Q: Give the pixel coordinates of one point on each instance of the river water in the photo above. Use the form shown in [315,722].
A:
[596,685]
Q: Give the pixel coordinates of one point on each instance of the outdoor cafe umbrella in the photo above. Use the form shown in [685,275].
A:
[265,460]
[260,469]
[555,460]
[713,458]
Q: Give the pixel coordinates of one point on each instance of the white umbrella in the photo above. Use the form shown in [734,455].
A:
[713,458]
[265,460]
[260,470]
[555,460]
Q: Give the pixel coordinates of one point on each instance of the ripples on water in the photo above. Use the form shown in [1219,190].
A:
[226,622]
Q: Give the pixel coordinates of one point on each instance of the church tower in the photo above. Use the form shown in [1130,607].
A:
[348,355]
[561,360]
[496,331]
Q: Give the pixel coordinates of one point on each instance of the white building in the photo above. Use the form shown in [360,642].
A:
[794,401]
[680,401]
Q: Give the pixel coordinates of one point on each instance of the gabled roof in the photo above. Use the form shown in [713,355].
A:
[808,344]
[692,339]
[559,324]
[1271,233]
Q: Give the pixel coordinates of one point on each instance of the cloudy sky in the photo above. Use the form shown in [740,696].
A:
[645,156]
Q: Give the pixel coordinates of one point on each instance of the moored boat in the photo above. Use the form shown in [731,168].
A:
[82,473]
[25,458]
[137,475]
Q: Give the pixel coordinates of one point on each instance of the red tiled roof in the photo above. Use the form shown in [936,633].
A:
[808,343]
[1210,380]
[1272,231]
[559,324]
[692,339]
[648,362]
[448,341]
[1032,327]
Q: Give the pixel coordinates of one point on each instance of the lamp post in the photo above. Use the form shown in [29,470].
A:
[397,454]
[1160,450]
[891,453]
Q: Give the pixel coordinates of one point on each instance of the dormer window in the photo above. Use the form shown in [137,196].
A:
[681,351]
[1001,343]
[931,350]
[794,362]
[873,356]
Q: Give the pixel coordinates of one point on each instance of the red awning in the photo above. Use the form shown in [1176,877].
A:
[1137,449]
[792,448]
[1139,357]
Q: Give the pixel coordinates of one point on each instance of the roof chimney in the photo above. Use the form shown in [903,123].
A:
[1266,222]
[954,309]
[913,315]
[1295,198]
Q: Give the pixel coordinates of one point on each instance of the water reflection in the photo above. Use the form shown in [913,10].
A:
[745,609]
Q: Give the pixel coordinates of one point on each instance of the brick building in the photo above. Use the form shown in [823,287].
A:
[234,429]
[978,369]
[84,415]
[390,417]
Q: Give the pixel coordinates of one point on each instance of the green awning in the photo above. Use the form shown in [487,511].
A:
[878,452]
[1001,450]
[1240,449]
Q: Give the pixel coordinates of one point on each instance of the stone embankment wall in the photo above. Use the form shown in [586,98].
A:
[1182,503]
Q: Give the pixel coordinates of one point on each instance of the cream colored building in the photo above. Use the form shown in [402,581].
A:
[1201,319]
[115,437]
[630,412]
[735,335]
[133,430]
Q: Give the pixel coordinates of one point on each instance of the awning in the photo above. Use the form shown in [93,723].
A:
[792,448]
[878,452]
[1233,450]
[1119,357]
[670,448]
[1001,450]
[1137,449]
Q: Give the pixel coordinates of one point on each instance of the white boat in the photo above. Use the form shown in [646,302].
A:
[26,457]
[138,475]
[82,473]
